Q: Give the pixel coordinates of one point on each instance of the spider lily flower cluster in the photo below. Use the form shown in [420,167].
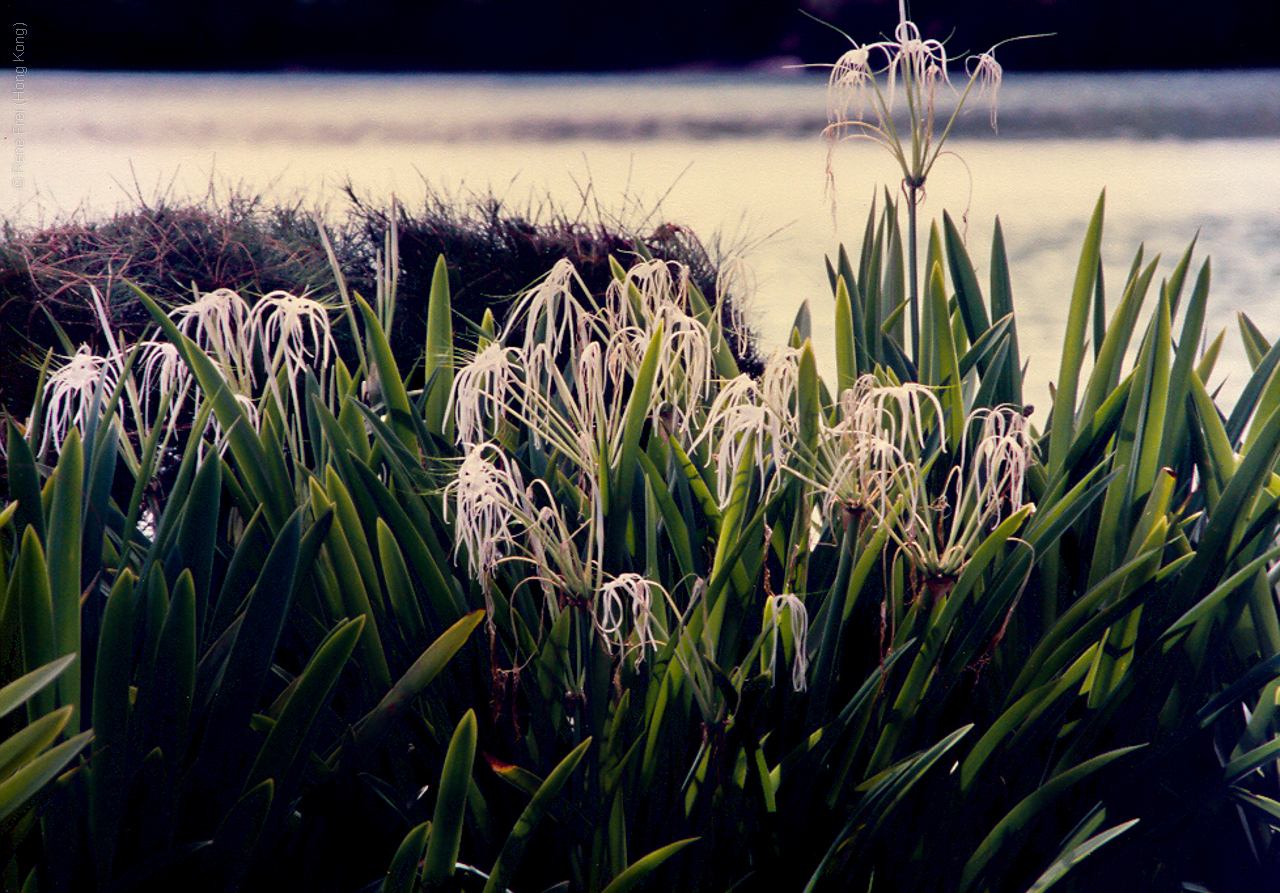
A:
[870,82]
[500,519]
[566,370]
[985,486]
[876,459]
[283,336]
[568,380]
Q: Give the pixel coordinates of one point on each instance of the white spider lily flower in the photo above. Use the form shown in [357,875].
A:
[295,335]
[738,416]
[498,519]
[559,413]
[165,373]
[854,471]
[873,75]
[987,484]
[915,60]
[219,323]
[293,330]
[868,460]
[780,379]
[592,401]
[685,368]
[488,497]
[482,391]
[553,316]
[787,607]
[70,394]
[628,595]
[762,413]
[898,413]
[850,79]
[646,293]
[1001,457]
[987,72]
[655,294]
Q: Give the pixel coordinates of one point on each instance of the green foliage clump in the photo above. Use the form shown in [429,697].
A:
[577,602]
[687,624]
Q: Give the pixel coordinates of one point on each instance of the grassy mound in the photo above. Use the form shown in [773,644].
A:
[249,245]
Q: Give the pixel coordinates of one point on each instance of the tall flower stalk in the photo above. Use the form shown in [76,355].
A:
[871,83]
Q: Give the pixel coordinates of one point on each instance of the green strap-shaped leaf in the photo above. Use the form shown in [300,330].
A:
[941,346]
[24,482]
[64,544]
[97,503]
[111,746]
[402,874]
[1076,855]
[370,730]
[677,530]
[880,795]
[1109,362]
[235,842]
[1020,717]
[1252,394]
[1256,345]
[29,590]
[20,690]
[438,354]
[24,745]
[390,383]
[1137,447]
[513,848]
[355,597]
[285,751]
[1231,514]
[627,463]
[846,351]
[1009,389]
[422,551]
[24,784]
[1062,418]
[640,869]
[1252,761]
[451,803]
[968,293]
[1175,424]
[402,598]
[197,535]
[248,663]
[1011,829]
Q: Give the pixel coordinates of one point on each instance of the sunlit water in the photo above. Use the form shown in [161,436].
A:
[741,157]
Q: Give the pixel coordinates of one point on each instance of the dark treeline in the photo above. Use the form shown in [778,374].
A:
[586,35]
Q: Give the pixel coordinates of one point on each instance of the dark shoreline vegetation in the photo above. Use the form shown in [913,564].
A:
[571,35]
[251,245]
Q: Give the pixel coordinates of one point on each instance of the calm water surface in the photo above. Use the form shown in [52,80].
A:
[739,159]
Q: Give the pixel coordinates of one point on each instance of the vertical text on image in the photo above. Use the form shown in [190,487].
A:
[17,167]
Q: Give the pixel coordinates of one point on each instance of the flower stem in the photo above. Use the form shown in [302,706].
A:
[913,277]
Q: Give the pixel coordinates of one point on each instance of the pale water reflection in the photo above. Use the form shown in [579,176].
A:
[737,157]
